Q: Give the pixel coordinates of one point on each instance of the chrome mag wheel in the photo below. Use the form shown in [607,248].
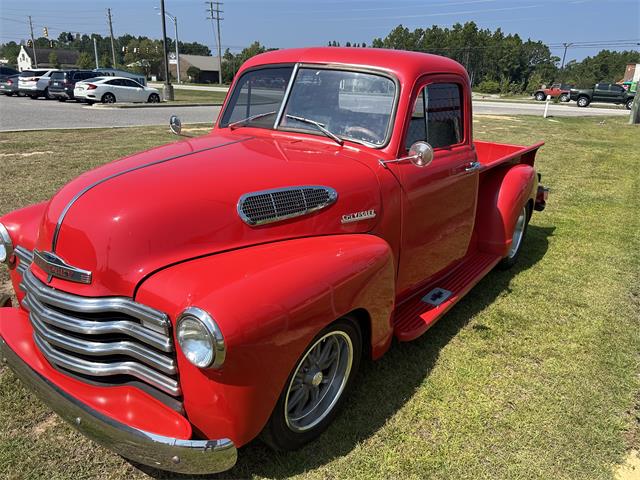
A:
[318,382]
[518,233]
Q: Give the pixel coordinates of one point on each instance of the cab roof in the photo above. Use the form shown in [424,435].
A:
[405,65]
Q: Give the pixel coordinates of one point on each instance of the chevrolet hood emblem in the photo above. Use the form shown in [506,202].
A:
[54,266]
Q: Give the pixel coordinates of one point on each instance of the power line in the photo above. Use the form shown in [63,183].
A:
[215,15]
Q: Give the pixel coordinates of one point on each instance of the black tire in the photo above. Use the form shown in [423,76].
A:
[583,101]
[540,96]
[629,104]
[564,97]
[46,94]
[277,433]
[512,257]
[62,99]
[154,98]
[33,97]
[20,94]
[108,98]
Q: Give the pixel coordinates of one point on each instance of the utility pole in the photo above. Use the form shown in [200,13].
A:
[215,13]
[168,88]
[95,51]
[174,19]
[113,48]
[33,43]
[566,46]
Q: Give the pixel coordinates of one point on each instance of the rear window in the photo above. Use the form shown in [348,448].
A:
[33,73]
[58,75]
[83,75]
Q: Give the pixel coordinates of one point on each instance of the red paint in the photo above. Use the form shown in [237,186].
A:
[169,236]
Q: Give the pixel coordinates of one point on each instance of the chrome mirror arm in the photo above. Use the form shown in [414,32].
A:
[384,163]
[420,154]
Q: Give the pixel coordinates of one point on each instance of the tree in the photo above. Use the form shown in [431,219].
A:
[53,60]
[194,73]
[10,51]
[85,61]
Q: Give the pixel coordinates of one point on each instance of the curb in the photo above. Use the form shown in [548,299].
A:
[153,105]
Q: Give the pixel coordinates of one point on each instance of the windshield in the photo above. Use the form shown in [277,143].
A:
[349,105]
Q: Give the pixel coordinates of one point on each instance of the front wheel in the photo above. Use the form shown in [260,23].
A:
[154,98]
[316,388]
[519,232]
[564,97]
[629,104]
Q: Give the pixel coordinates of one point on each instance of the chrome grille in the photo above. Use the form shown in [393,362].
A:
[267,206]
[102,338]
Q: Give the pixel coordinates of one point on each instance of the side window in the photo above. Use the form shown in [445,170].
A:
[437,116]
[131,83]
[115,82]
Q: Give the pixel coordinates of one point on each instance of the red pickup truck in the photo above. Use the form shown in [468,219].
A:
[177,303]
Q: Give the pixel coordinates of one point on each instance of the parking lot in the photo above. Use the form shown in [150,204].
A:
[27,114]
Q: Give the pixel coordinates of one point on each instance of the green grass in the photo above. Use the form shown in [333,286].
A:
[535,374]
[198,96]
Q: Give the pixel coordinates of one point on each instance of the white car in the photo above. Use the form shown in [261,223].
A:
[114,89]
[35,82]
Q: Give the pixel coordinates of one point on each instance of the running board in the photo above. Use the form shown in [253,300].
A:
[417,314]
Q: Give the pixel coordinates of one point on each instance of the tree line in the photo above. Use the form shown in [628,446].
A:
[497,62]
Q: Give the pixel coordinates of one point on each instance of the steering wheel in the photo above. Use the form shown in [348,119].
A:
[361,133]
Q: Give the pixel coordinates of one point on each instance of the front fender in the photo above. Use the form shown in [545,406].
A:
[270,301]
[503,193]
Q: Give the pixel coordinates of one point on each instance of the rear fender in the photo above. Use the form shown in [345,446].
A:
[269,302]
[503,192]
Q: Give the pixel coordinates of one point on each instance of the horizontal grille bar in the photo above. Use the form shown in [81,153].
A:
[100,327]
[97,369]
[159,361]
[25,258]
[150,318]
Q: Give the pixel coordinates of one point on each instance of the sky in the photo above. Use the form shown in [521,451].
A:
[299,23]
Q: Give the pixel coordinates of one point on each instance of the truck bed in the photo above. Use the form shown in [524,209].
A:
[492,154]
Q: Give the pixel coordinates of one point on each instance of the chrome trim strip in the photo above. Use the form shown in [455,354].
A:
[157,451]
[75,198]
[25,259]
[287,91]
[88,327]
[333,196]
[150,318]
[85,347]
[97,369]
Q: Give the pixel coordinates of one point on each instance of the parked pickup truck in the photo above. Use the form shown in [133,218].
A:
[177,303]
[560,90]
[603,92]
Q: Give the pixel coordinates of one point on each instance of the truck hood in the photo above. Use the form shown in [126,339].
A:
[134,216]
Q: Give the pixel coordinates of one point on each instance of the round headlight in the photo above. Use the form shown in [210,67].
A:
[6,246]
[200,338]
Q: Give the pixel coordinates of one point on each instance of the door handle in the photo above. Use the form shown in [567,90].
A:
[472,166]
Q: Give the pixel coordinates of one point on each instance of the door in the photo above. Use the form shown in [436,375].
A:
[439,200]
[135,92]
[601,93]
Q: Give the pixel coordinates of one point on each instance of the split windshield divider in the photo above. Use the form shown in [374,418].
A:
[287,92]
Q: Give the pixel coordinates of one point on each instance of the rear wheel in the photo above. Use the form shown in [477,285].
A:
[108,98]
[564,97]
[61,99]
[540,96]
[47,95]
[629,104]
[316,388]
[583,102]
[519,232]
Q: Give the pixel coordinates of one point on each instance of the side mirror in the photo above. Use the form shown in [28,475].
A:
[421,154]
[175,124]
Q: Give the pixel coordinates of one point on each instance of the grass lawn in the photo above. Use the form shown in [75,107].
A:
[535,374]
[198,96]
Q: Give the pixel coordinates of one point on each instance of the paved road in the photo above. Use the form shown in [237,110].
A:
[26,114]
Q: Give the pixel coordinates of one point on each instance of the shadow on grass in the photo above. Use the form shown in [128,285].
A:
[383,387]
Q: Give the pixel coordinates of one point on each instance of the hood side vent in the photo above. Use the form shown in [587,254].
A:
[268,206]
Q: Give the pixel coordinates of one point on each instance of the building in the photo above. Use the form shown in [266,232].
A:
[66,58]
[209,68]
[631,77]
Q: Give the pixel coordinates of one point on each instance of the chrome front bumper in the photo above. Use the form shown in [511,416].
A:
[184,456]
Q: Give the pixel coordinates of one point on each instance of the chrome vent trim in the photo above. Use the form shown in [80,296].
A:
[279,204]
[101,337]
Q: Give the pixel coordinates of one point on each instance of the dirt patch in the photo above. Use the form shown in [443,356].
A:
[496,117]
[630,469]
[27,154]
[49,422]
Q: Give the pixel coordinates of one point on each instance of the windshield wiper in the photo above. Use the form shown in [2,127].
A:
[244,121]
[320,126]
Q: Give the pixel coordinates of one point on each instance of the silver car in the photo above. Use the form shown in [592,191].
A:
[35,82]
[9,86]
